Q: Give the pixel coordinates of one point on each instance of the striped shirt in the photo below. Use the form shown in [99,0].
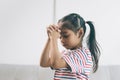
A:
[80,65]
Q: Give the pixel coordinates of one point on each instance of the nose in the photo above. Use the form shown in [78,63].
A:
[62,40]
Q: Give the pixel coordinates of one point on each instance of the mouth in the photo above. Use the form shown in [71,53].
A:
[65,45]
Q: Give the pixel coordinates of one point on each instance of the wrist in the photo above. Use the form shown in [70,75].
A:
[53,38]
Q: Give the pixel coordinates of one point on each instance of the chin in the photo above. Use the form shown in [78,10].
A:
[67,47]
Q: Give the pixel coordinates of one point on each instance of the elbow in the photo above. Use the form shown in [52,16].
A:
[55,65]
[44,64]
[41,65]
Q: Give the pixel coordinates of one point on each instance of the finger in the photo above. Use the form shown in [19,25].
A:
[49,30]
[59,30]
[55,27]
[52,27]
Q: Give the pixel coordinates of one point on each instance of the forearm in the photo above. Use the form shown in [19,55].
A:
[54,52]
[45,58]
[51,56]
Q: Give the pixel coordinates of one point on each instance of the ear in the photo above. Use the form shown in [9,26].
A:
[80,32]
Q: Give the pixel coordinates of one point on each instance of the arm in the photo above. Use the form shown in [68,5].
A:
[45,56]
[51,57]
[56,57]
[45,59]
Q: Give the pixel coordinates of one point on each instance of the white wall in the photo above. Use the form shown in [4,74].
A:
[23,24]
[22,30]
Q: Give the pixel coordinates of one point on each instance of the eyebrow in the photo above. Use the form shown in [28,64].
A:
[63,33]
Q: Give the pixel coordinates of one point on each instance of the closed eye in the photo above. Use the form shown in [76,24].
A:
[64,36]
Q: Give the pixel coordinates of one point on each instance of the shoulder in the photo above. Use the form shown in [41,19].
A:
[82,50]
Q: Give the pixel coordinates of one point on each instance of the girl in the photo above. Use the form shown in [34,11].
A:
[77,61]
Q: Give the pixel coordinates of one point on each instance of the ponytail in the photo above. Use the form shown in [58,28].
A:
[93,46]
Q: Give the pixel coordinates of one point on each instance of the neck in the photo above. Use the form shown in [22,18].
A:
[77,46]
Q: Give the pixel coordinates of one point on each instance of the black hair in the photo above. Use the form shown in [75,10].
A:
[74,22]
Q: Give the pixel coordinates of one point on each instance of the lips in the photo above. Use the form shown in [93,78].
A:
[64,45]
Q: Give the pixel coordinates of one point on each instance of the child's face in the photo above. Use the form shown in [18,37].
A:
[69,39]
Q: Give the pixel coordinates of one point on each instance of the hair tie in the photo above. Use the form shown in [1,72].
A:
[78,22]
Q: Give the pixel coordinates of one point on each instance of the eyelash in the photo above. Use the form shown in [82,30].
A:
[65,36]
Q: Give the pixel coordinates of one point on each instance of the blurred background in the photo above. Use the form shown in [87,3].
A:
[23,27]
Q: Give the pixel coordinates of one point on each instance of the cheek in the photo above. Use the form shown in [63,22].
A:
[71,40]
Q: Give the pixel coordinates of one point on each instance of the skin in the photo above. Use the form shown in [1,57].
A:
[69,39]
[51,56]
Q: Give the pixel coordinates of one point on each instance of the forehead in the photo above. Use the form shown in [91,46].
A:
[66,31]
[64,25]
[60,25]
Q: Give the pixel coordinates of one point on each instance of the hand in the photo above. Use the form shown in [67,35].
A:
[53,32]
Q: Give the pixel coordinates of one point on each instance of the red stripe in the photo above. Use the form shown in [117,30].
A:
[56,79]
[63,74]
[83,60]
[69,62]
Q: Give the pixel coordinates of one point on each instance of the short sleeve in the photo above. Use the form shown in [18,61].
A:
[72,61]
[77,60]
